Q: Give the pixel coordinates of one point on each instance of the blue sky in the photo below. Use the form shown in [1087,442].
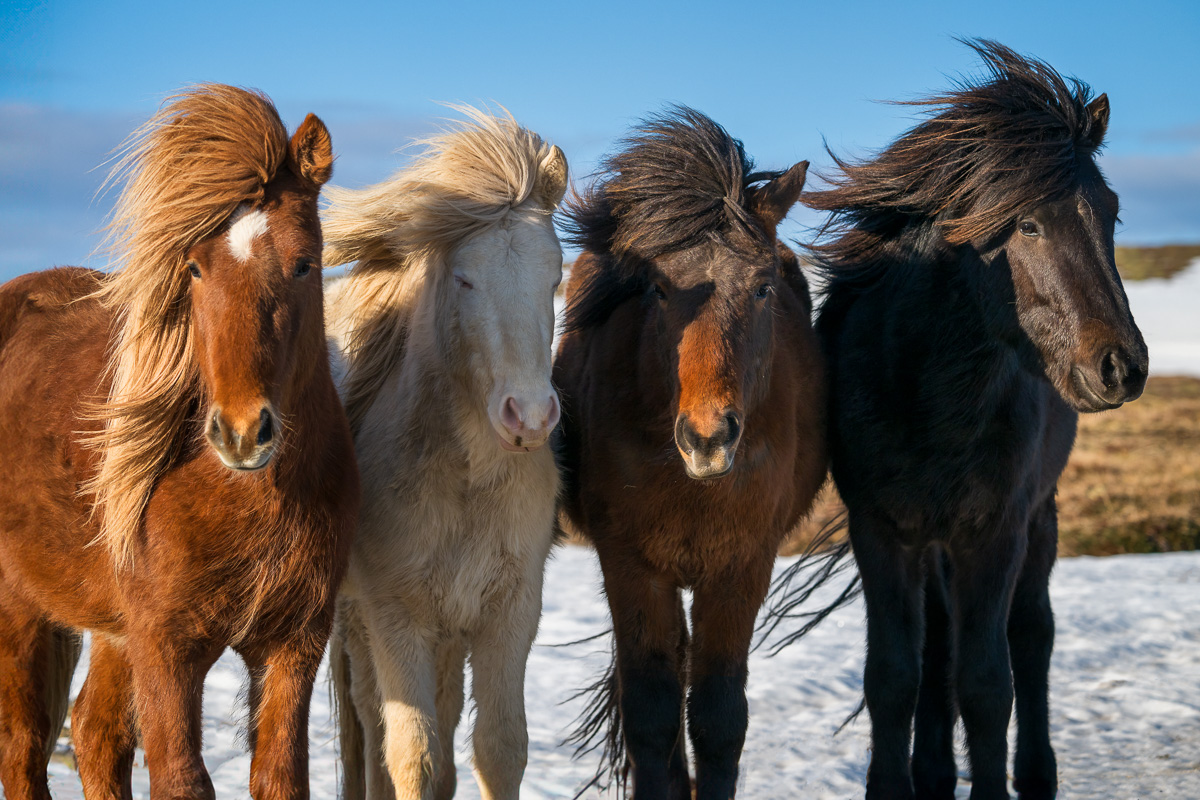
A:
[76,77]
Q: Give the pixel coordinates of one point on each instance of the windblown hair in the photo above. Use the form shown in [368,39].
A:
[466,179]
[207,150]
[989,150]
[679,180]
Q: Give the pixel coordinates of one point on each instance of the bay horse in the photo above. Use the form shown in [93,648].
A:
[444,323]
[973,310]
[180,474]
[693,394]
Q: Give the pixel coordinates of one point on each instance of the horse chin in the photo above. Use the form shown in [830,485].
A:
[708,470]
[256,463]
[511,447]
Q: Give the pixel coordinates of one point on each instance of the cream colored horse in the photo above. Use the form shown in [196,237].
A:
[444,326]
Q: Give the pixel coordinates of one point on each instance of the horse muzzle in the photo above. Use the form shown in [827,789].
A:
[523,426]
[1115,377]
[243,445]
[708,451]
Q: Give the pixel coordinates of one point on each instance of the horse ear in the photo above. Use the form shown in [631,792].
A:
[772,201]
[552,179]
[311,151]
[1098,110]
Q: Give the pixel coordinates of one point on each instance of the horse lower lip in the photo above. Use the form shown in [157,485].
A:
[1088,394]
[708,475]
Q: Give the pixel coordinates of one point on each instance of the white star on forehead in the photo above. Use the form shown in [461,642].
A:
[245,226]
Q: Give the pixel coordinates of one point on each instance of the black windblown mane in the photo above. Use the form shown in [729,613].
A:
[989,150]
[678,181]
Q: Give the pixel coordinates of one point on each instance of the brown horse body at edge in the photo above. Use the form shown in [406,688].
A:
[243,518]
[693,433]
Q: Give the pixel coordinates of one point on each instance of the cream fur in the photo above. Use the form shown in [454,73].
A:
[454,532]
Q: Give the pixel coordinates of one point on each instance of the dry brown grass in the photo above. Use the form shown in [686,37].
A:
[1132,485]
[1139,263]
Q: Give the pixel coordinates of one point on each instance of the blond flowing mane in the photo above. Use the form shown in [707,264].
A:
[207,150]
[466,179]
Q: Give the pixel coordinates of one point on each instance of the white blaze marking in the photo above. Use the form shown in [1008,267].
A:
[245,228]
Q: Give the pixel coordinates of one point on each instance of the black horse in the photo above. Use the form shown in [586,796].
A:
[973,308]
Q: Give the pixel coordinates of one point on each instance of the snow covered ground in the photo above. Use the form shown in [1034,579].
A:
[1168,313]
[1125,693]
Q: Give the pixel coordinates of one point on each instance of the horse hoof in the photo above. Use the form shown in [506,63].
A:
[1036,788]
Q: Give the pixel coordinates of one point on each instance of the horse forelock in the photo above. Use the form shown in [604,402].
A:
[208,151]
[678,182]
[988,150]
[465,180]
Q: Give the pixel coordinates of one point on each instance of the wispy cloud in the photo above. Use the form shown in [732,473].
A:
[1160,196]
[52,165]
[1189,134]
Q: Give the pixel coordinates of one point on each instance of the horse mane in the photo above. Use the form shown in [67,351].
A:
[989,149]
[206,151]
[465,179]
[678,180]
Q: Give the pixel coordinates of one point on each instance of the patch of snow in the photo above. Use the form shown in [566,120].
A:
[1124,696]
[1167,310]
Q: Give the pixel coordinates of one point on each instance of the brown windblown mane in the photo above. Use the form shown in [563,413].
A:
[465,180]
[678,181]
[989,150]
[208,149]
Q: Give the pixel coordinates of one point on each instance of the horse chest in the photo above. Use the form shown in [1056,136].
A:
[450,552]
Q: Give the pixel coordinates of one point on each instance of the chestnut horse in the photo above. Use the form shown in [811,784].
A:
[445,324]
[693,440]
[974,309]
[180,475]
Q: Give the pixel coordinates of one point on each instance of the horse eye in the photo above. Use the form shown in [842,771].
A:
[658,292]
[463,283]
[763,291]
[1028,228]
[303,268]
[194,269]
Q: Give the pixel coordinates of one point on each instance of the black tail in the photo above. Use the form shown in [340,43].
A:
[62,651]
[598,726]
[824,559]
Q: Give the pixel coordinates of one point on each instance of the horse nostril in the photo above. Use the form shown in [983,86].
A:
[1112,369]
[266,427]
[510,415]
[733,426]
[685,437]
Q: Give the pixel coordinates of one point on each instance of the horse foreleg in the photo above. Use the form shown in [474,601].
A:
[723,614]
[168,679]
[103,724]
[650,675]
[283,678]
[934,771]
[891,579]
[982,589]
[1031,638]
[451,658]
[367,700]
[404,669]
[498,655]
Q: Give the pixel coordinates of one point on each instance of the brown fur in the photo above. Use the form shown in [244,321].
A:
[663,322]
[208,558]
